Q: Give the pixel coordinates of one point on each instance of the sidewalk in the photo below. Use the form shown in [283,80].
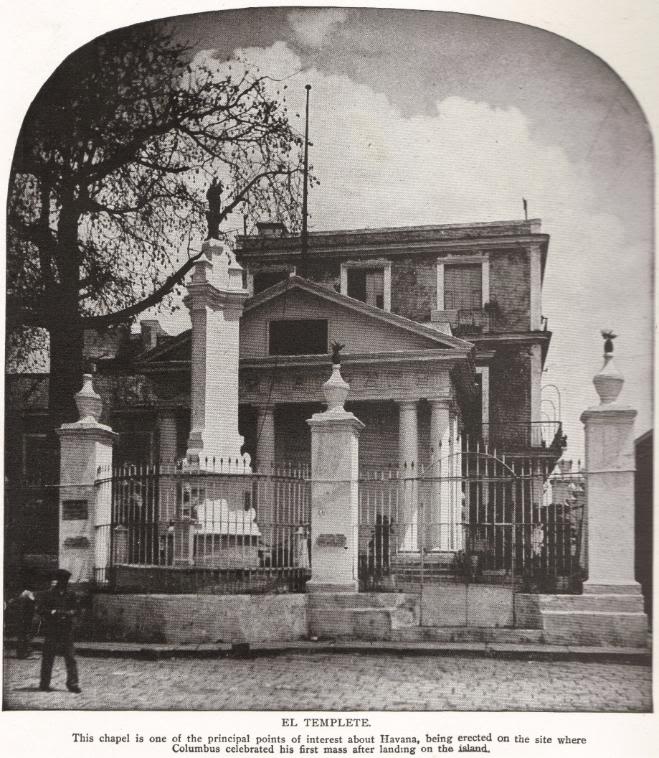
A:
[511,651]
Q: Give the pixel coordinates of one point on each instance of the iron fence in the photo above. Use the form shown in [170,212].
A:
[475,518]
[524,435]
[171,528]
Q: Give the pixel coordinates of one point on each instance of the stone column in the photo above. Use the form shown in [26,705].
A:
[408,451]
[215,299]
[167,484]
[455,472]
[334,492]
[610,466]
[265,459]
[440,486]
[85,508]
[265,437]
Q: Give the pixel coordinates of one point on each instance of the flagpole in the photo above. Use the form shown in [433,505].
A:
[305,192]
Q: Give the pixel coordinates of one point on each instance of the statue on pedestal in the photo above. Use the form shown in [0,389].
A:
[213,215]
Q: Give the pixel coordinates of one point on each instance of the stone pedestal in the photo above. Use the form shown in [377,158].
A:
[215,299]
[334,493]
[609,430]
[610,611]
[85,507]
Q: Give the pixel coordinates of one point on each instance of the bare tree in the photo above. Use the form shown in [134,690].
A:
[108,183]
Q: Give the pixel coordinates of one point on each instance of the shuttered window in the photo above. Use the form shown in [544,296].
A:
[463,286]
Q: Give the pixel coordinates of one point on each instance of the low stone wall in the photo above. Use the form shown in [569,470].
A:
[196,619]
[589,619]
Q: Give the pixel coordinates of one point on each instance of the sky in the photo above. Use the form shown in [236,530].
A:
[430,118]
[424,117]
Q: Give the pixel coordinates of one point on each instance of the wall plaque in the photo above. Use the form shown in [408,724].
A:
[76,542]
[74,510]
[331,540]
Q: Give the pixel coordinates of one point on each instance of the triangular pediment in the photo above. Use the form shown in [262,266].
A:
[360,327]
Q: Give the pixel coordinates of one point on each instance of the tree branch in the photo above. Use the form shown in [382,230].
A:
[153,299]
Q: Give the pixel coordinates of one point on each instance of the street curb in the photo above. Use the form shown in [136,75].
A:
[529,652]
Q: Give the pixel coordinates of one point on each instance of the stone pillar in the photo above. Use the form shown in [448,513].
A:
[334,492]
[265,437]
[610,466]
[215,299]
[85,508]
[265,459]
[167,484]
[609,612]
[408,452]
[440,485]
[456,501]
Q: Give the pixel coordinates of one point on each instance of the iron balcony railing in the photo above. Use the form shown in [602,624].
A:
[524,435]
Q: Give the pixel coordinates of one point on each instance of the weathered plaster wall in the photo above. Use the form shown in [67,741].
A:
[414,287]
[196,619]
[510,376]
[509,285]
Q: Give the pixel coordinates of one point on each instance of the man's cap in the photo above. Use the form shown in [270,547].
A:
[62,574]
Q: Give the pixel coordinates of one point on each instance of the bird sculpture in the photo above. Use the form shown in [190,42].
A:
[608,336]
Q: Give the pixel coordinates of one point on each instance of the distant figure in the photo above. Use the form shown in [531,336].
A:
[23,605]
[57,609]
[213,216]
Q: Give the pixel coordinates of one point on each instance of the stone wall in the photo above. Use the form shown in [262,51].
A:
[414,287]
[510,377]
[510,287]
[198,619]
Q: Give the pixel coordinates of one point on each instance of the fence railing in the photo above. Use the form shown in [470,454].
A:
[474,519]
[170,528]
[512,436]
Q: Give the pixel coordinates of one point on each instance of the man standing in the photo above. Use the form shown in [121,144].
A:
[57,609]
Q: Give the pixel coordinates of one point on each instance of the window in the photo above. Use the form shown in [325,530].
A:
[298,337]
[266,279]
[368,281]
[463,287]
[463,283]
[367,285]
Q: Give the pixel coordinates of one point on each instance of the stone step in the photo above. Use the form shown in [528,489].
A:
[594,603]
[350,623]
[322,600]
[468,634]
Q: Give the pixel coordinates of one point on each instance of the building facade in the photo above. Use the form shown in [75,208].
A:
[443,341]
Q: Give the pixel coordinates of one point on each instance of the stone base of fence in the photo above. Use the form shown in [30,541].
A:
[593,619]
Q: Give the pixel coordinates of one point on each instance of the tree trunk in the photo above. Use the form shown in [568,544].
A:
[65,370]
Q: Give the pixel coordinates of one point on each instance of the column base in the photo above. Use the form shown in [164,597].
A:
[595,588]
[316,587]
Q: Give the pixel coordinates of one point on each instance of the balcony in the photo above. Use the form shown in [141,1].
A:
[534,435]
[466,321]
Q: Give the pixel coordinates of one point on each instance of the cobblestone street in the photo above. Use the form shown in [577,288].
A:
[294,681]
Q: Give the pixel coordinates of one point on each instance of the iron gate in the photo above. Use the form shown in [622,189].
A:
[469,519]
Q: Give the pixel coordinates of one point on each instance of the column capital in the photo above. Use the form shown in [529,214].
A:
[442,402]
[609,414]
[88,431]
[336,421]
[407,404]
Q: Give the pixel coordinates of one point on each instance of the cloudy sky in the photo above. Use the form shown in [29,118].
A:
[432,118]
